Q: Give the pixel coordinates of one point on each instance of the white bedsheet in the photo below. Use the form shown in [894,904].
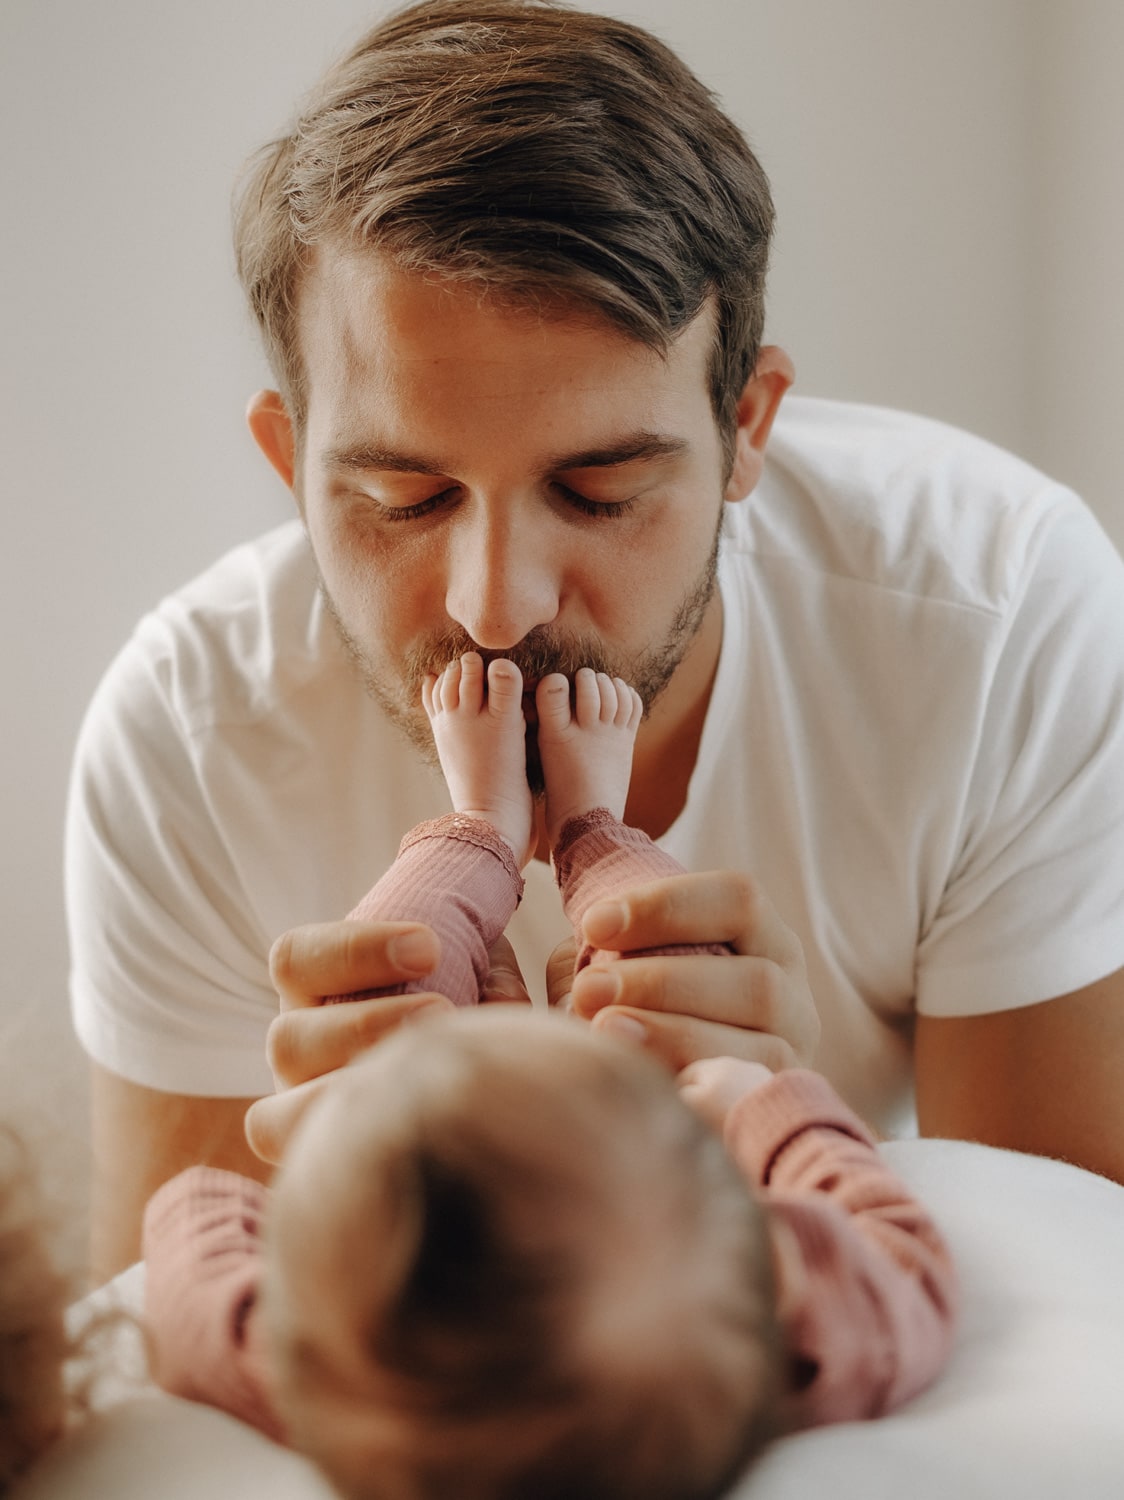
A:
[1031,1404]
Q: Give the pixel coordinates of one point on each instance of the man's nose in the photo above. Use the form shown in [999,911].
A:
[502,579]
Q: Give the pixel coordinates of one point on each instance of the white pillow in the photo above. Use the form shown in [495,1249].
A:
[1030,1406]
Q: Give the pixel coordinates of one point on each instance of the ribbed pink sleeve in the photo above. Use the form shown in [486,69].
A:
[866,1288]
[202,1251]
[459,876]
[598,857]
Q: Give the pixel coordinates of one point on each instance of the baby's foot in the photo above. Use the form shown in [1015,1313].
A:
[586,750]
[480,738]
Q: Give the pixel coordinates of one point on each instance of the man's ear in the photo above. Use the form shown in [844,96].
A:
[272,429]
[757,406]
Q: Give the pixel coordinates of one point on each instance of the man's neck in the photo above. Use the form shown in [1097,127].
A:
[667,745]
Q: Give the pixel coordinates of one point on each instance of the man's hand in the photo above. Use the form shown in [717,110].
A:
[308,1038]
[308,1041]
[753,1004]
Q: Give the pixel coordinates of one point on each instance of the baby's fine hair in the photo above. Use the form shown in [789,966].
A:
[549,156]
[33,1296]
[570,1285]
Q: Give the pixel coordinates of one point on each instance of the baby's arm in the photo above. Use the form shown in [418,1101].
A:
[866,1287]
[460,877]
[596,858]
[203,1266]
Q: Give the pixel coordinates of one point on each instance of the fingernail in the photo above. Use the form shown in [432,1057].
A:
[506,989]
[604,921]
[596,988]
[627,1027]
[412,952]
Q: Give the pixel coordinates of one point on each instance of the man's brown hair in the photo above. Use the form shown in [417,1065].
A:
[550,156]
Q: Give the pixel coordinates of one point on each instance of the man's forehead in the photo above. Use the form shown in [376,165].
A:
[344,266]
[343,281]
[443,377]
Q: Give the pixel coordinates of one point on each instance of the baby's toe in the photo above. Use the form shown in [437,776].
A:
[505,688]
[552,703]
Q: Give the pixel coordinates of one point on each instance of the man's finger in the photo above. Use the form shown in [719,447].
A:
[560,973]
[677,1040]
[505,983]
[271,1121]
[338,958]
[309,1042]
[723,906]
[734,991]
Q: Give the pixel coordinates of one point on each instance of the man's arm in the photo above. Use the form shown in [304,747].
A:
[1043,1078]
[140,1139]
[1047,1078]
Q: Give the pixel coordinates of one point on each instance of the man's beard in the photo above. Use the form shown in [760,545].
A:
[540,652]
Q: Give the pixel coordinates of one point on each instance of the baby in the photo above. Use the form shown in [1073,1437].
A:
[507,1256]
[34,1344]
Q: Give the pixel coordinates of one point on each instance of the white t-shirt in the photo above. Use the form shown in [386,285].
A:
[915,741]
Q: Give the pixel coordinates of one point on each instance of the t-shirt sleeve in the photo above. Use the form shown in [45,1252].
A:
[169,977]
[203,1267]
[866,1291]
[1032,905]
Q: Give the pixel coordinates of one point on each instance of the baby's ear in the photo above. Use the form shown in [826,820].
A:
[757,406]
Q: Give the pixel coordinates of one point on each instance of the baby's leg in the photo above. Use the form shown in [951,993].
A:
[587,759]
[586,750]
[460,873]
[481,742]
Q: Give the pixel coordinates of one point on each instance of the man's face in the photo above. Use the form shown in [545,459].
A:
[532,485]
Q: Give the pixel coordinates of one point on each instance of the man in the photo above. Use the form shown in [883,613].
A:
[509,269]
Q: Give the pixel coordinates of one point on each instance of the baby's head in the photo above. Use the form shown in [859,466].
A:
[33,1339]
[506,1260]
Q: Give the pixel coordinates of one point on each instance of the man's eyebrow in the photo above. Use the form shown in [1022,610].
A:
[637,447]
[367,456]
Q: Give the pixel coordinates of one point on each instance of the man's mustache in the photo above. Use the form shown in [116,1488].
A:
[540,652]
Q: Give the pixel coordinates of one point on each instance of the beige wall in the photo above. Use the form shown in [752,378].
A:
[947,176]
[1076,356]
